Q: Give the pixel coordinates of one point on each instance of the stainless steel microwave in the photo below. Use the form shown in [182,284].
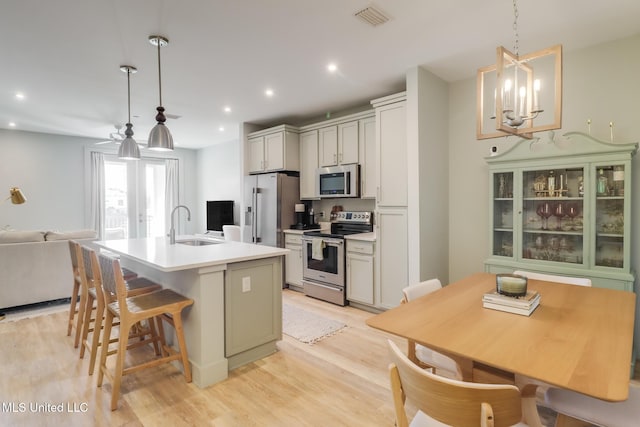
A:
[338,181]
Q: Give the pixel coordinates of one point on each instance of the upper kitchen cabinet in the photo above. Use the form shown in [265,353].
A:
[391,153]
[367,155]
[274,149]
[339,144]
[308,164]
[563,206]
[344,140]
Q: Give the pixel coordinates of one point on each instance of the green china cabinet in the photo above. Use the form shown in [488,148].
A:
[562,205]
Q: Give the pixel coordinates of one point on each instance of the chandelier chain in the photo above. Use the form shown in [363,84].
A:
[516,42]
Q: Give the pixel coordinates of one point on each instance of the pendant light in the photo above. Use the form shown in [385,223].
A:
[160,138]
[513,94]
[129,149]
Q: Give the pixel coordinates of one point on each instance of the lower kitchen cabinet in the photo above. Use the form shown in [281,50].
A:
[392,255]
[253,309]
[293,261]
[360,271]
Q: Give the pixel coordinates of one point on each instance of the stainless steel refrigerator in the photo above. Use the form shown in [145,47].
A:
[269,207]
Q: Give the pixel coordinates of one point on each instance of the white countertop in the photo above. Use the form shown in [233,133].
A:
[367,237]
[324,226]
[158,253]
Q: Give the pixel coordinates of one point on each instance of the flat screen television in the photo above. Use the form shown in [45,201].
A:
[219,213]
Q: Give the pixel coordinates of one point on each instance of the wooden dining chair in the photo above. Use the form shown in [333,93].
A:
[448,402]
[94,314]
[419,354]
[580,281]
[163,305]
[572,406]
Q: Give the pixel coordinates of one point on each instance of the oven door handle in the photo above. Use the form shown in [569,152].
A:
[334,242]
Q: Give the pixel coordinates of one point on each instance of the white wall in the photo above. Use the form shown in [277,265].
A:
[50,169]
[600,83]
[428,151]
[219,178]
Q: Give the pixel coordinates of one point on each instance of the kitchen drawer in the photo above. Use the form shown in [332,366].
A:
[360,247]
[294,239]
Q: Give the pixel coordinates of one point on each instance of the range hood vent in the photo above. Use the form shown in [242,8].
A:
[372,16]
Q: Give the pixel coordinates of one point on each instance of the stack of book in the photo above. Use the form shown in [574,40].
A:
[518,305]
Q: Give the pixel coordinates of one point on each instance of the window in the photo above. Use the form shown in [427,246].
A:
[134,198]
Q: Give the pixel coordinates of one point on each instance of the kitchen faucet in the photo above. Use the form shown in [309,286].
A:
[172,231]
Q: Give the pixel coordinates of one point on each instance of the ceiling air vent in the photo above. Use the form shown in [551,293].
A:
[373,16]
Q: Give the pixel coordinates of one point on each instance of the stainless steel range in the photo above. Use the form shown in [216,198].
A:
[324,256]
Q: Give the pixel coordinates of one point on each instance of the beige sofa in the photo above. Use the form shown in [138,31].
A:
[35,266]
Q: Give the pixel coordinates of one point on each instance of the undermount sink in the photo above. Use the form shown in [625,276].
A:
[197,242]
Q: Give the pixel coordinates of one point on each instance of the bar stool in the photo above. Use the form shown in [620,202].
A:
[95,294]
[73,306]
[161,305]
[76,292]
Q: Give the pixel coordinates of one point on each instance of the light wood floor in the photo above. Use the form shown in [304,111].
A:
[340,381]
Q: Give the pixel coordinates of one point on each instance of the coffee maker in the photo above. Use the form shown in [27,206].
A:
[304,217]
[301,216]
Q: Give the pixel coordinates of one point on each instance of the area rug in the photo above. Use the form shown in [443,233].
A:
[307,327]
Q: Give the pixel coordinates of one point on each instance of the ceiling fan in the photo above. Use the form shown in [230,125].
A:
[117,137]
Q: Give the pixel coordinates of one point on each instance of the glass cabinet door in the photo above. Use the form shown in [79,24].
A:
[503,214]
[609,215]
[552,215]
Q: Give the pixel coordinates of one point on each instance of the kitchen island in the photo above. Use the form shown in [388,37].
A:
[236,317]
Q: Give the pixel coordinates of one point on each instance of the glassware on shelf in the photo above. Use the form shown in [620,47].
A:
[502,189]
[551,184]
[544,210]
[602,184]
[572,212]
[559,211]
[618,180]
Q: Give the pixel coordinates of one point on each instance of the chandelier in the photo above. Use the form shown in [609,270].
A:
[520,94]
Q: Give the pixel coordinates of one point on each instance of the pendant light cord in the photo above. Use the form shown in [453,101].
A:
[129,94]
[159,72]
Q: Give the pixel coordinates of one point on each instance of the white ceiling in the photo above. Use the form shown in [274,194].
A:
[64,55]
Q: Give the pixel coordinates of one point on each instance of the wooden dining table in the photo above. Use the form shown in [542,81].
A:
[579,338]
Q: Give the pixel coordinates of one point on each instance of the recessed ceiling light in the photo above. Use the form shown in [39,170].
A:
[221,128]
[12,124]
[332,67]
[227,109]
[19,95]
[268,92]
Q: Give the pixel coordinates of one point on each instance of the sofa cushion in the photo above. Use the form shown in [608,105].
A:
[67,235]
[21,236]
